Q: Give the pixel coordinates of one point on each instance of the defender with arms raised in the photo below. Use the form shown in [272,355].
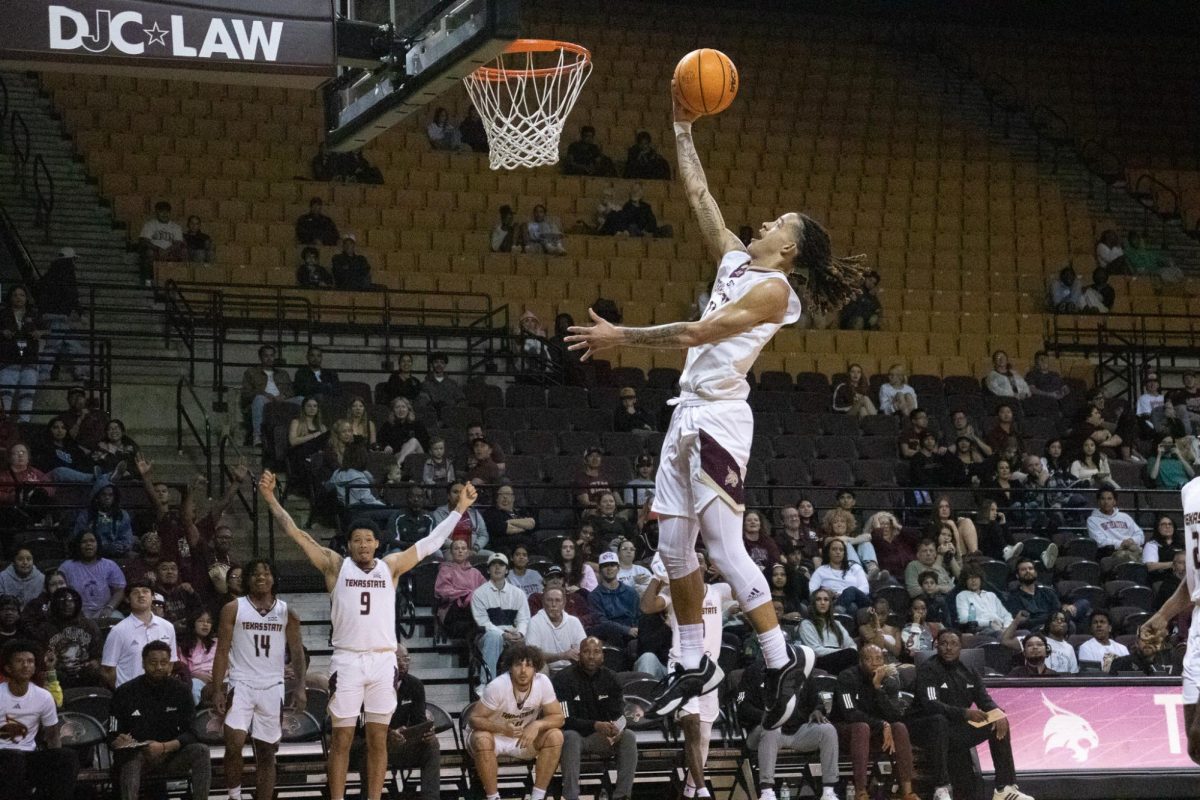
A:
[699,486]
[362,669]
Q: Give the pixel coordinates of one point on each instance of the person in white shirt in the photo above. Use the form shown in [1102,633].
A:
[159,240]
[519,717]
[629,573]
[29,717]
[121,660]
[976,604]
[501,610]
[845,579]
[555,632]
[526,579]
[1100,647]
[543,234]
[443,134]
[896,396]
[1109,253]
[1114,531]
[1151,403]
[1003,380]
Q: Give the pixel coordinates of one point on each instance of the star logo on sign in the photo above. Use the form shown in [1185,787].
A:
[156,35]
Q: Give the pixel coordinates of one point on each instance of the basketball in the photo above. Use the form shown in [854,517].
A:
[707,81]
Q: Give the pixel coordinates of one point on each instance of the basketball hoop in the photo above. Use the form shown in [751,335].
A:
[524,97]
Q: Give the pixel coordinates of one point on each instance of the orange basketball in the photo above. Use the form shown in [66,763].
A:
[707,81]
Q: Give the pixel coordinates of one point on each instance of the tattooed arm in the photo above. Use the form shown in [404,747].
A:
[767,301]
[719,239]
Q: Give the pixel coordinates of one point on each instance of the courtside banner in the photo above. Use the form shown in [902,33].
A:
[1093,728]
[246,40]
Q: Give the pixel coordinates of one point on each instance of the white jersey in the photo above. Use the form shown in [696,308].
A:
[363,611]
[498,696]
[716,595]
[1191,534]
[259,645]
[717,371]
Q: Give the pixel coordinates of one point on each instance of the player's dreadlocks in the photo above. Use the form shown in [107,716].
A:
[831,282]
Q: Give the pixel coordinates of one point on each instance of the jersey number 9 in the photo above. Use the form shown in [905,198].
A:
[364,602]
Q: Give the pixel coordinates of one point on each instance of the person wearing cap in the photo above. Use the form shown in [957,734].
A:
[501,610]
[439,389]
[265,384]
[56,295]
[537,359]
[628,417]
[576,605]
[640,490]
[314,227]
[351,270]
[592,481]
[121,660]
[1152,405]
[614,603]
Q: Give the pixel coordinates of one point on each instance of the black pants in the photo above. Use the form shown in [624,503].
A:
[930,739]
[51,772]
[963,737]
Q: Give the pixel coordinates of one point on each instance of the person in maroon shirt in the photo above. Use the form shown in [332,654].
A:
[86,421]
[894,546]
[592,481]
[17,483]
[759,546]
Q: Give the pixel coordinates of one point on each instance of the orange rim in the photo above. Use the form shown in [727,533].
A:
[535,46]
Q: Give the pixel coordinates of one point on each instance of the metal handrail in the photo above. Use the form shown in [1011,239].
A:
[43,193]
[1156,186]
[183,416]
[20,148]
[25,263]
[4,107]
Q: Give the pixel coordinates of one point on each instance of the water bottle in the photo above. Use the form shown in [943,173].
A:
[785,793]
[972,624]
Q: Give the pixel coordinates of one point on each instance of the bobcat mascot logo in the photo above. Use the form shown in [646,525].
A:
[1068,730]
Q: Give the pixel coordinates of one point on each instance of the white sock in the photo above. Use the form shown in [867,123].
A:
[235,793]
[827,790]
[537,794]
[766,794]
[691,645]
[495,796]
[774,647]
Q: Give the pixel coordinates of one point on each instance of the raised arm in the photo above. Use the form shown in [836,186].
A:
[324,559]
[221,658]
[717,238]
[402,562]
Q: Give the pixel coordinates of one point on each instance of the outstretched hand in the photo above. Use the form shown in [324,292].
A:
[266,484]
[680,112]
[466,498]
[592,339]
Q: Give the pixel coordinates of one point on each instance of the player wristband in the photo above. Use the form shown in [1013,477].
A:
[682,128]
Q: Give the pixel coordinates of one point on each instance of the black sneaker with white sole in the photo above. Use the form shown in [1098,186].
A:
[782,685]
[682,685]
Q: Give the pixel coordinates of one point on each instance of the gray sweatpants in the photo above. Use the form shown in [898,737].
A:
[575,746]
[193,761]
[820,736]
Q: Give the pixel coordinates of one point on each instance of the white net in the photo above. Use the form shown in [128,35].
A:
[524,98]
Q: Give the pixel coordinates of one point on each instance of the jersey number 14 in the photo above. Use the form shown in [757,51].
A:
[262,645]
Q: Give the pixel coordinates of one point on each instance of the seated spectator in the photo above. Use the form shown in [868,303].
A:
[86,421]
[403,434]
[1144,260]
[21,334]
[1110,255]
[979,609]
[643,162]
[807,731]
[630,574]
[929,560]
[637,217]
[584,157]
[180,601]
[761,548]
[911,431]
[1036,601]
[310,274]
[156,708]
[1151,655]
[456,581]
[472,528]
[1004,429]
[10,618]
[789,587]
[896,396]
[312,380]
[966,538]
[439,389]
[108,521]
[31,753]
[1033,655]
[594,721]
[411,523]
[36,610]
[629,417]
[870,710]
[607,525]
[307,436]
[351,270]
[473,132]
[98,580]
[864,312]
[507,527]
[199,244]
[121,660]
[1100,296]
[995,541]
[56,296]
[1168,470]
[159,240]
[509,235]
[544,234]
[529,730]
[265,384]
[197,650]
[608,213]
[839,523]
[895,546]
[827,637]
[485,471]
[1158,554]
[401,383]
[114,452]
[592,481]
[1003,380]
[577,573]
[919,631]
[521,576]
[1043,381]
[356,169]
[948,688]
[1101,648]
[21,489]
[614,604]
[852,396]
[1114,531]
[501,611]
[962,427]
[556,633]
[439,469]
[21,578]
[1060,656]
[353,486]
[315,228]
[144,567]
[576,603]
[840,576]
[1066,292]
[1092,467]
[875,628]
[443,134]
[532,342]
[931,465]
[60,457]
[1151,405]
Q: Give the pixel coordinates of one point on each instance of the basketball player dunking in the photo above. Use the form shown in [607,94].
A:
[254,630]
[362,669]
[1188,594]
[699,486]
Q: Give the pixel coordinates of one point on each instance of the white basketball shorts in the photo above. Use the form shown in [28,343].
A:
[1191,662]
[361,680]
[704,457]
[256,711]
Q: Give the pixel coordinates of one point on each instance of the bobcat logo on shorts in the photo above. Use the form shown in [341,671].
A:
[732,479]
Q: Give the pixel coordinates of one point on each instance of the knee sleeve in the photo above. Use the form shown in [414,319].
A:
[677,546]
[723,537]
